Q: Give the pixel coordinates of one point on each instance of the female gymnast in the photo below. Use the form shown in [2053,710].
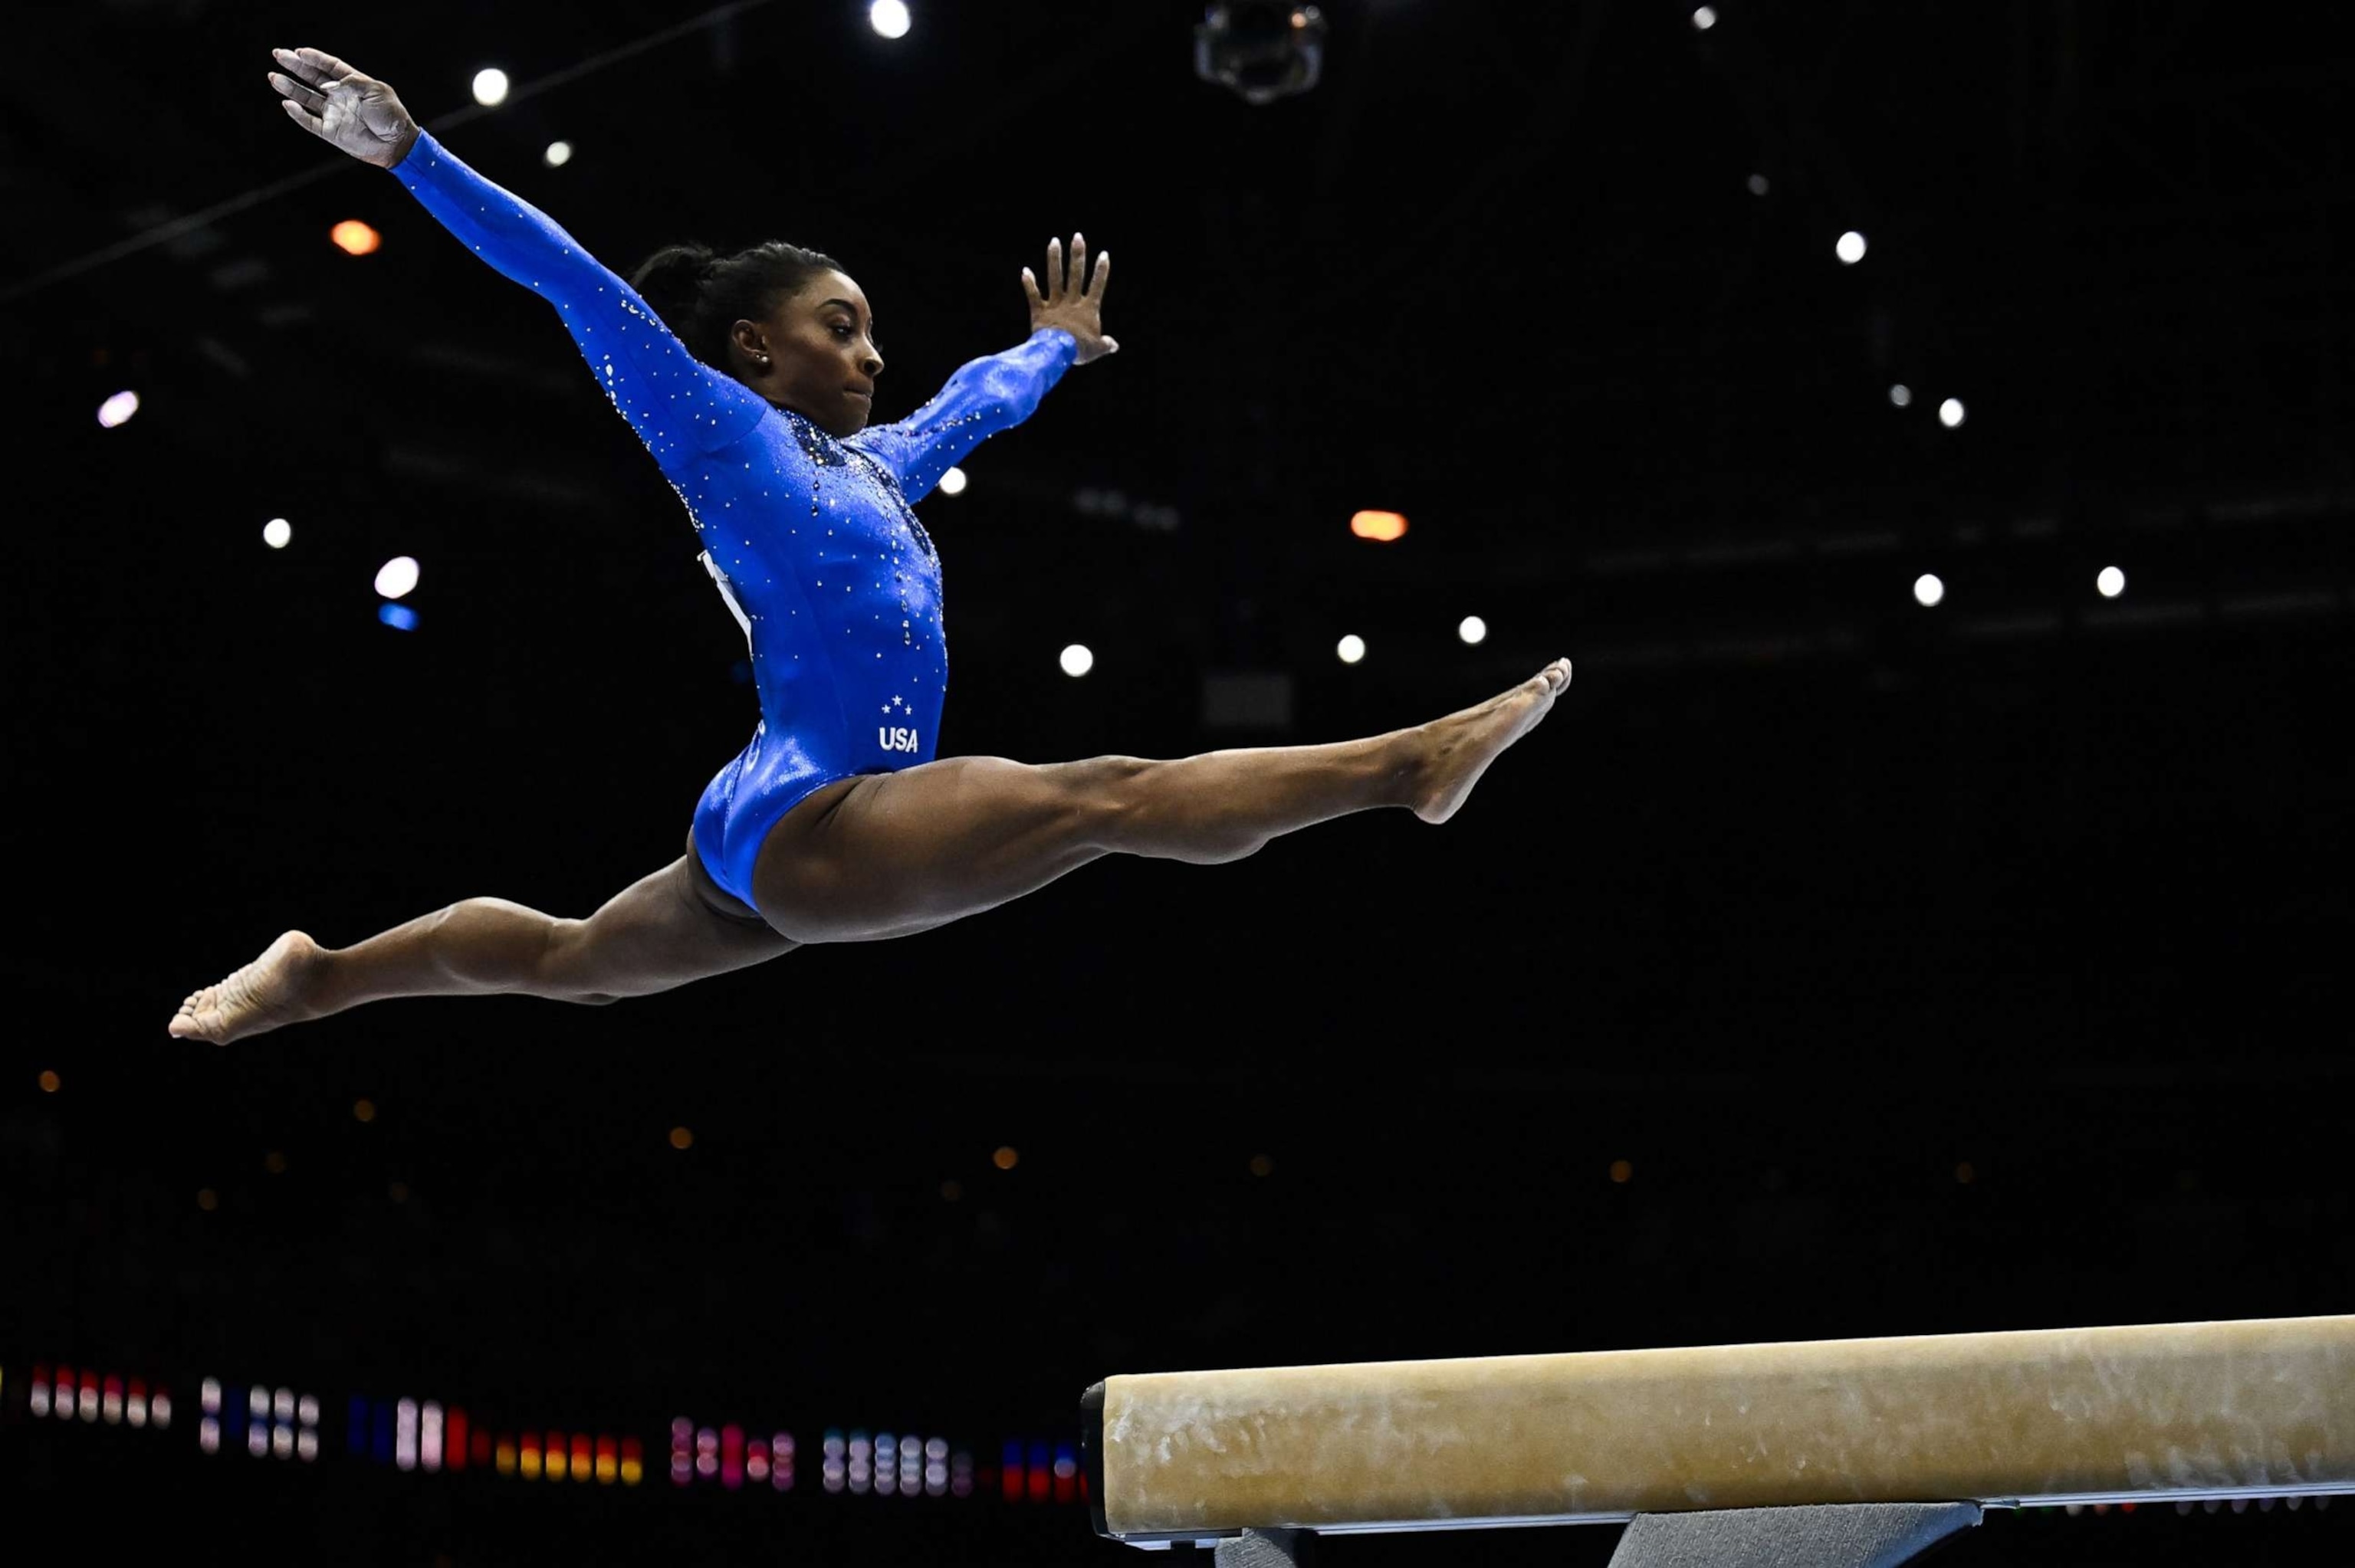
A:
[750,377]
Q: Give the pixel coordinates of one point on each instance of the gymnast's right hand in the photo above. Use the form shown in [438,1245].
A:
[338,105]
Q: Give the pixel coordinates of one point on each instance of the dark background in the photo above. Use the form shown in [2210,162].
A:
[1935,970]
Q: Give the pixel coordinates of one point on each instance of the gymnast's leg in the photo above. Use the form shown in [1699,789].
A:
[890,855]
[666,930]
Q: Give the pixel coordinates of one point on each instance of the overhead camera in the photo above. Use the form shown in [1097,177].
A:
[1262,51]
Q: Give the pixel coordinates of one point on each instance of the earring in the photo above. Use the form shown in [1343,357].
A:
[764,362]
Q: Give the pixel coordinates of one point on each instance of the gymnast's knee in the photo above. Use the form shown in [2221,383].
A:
[1109,799]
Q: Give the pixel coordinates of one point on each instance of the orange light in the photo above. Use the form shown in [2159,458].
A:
[1621,1170]
[1963,1174]
[1261,1165]
[1004,1158]
[205,1199]
[507,1458]
[49,1083]
[681,1138]
[363,1110]
[354,238]
[1382,525]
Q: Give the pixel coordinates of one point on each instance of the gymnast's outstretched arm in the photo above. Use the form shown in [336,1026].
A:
[679,405]
[1001,390]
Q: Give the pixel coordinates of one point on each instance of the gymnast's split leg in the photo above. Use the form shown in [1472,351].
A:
[894,853]
[881,855]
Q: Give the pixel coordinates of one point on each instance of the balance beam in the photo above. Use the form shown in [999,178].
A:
[2263,1408]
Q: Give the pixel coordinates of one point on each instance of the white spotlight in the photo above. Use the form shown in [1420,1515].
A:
[1472,629]
[952,482]
[1900,395]
[396,576]
[1705,18]
[558,154]
[118,408]
[1851,247]
[2110,583]
[1351,648]
[1950,412]
[888,17]
[1077,661]
[1758,185]
[276,532]
[490,87]
[1928,590]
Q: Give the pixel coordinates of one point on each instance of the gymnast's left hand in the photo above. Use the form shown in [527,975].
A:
[1074,301]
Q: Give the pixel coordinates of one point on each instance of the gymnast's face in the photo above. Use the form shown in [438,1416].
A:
[822,361]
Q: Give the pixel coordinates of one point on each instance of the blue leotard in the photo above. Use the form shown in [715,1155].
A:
[811,539]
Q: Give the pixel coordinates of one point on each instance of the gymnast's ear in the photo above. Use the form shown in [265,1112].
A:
[750,339]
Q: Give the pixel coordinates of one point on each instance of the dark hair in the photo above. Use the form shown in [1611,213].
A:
[699,293]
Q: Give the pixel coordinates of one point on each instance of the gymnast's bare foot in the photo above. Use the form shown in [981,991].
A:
[266,994]
[1457,749]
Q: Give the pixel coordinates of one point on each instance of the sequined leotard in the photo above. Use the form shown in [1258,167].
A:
[811,539]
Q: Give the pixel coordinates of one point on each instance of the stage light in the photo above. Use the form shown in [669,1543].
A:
[49,1082]
[396,576]
[1472,629]
[306,1444]
[953,483]
[1950,412]
[207,1199]
[490,87]
[136,1412]
[1900,395]
[257,1439]
[633,1462]
[354,238]
[1705,18]
[1851,247]
[1380,526]
[1964,1174]
[397,1192]
[1351,649]
[1040,1476]
[951,1190]
[208,1395]
[1622,1172]
[1077,661]
[281,1406]
[2111,582]
[428,1438]
[404,1434]
[1928,590]
[680,1138]
[1261,50]
[111,1401]
[159,1410]
[118,408]
[558,154]
[276,532]
[1260,1165]
[889,19]
[274,1162]
[1006,1158]
[208,1436]
[1758,185]
[399,617]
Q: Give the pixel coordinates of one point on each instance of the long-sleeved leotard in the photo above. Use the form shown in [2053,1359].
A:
[811,539]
